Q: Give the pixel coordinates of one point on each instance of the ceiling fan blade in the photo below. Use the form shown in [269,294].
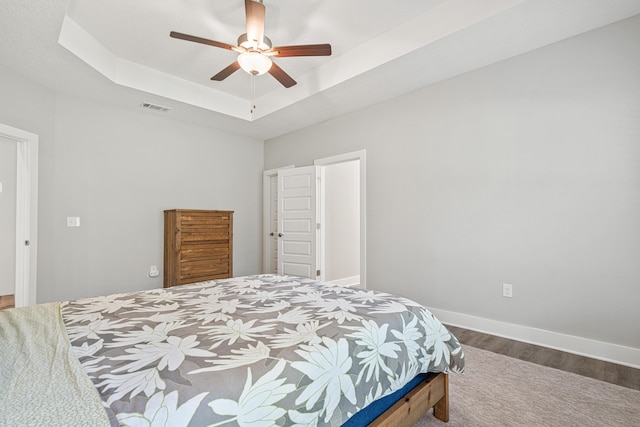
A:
[279,74]
[196,39]
[230,69]
[255,20]
[303,50]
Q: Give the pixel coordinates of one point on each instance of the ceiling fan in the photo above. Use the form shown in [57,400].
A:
[255,48]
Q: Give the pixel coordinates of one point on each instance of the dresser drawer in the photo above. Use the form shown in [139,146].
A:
[198,246]
[199,252]
[194,271]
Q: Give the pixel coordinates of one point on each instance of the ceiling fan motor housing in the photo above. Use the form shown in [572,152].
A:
[244,41]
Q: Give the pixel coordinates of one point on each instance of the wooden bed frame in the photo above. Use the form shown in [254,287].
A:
[433,392]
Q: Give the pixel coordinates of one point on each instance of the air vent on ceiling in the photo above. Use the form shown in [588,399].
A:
[154,107]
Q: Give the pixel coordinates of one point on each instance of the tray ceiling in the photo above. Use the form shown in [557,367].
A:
[119,51]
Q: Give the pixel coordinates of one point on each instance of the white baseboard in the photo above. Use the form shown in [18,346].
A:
[347,281]
[622,355]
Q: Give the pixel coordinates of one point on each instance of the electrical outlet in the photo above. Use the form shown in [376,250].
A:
[507,290]
[153,271]
[73,221]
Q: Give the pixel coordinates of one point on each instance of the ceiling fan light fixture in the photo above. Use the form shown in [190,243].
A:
[254,63]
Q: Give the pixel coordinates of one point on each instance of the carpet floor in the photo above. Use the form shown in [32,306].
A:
[498,390]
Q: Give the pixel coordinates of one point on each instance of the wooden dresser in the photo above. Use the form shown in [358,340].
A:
[198,246]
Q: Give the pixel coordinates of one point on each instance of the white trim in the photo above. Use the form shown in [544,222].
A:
[362,157]
[26,213]
[266,213]
[622,355]
[321,247]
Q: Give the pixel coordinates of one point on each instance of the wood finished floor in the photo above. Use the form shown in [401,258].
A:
[6,301]
[605,371]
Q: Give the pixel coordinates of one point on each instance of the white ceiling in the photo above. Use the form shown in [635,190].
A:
[120,52]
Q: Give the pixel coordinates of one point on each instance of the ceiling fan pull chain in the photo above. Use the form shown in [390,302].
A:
[253,92]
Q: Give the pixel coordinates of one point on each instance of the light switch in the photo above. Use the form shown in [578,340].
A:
[0,187]
[73,221]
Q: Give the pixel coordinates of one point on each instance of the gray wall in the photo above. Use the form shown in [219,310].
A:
[118,169]
[524,172]
[342,220]
[8,150]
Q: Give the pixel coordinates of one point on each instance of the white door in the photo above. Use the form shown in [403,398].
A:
[273,225]
[270,220]
[297,222]
[8,173]
[26,216]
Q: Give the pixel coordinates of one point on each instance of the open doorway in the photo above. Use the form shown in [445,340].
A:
[354,163]
[341,222]
[346,220]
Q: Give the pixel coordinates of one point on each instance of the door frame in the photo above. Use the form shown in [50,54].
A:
[361,156]
[266,214]
[26,213]
[327,161]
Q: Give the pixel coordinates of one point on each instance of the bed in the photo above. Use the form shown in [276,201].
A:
[258,351]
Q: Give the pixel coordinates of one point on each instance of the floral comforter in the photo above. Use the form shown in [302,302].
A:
[253,351]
